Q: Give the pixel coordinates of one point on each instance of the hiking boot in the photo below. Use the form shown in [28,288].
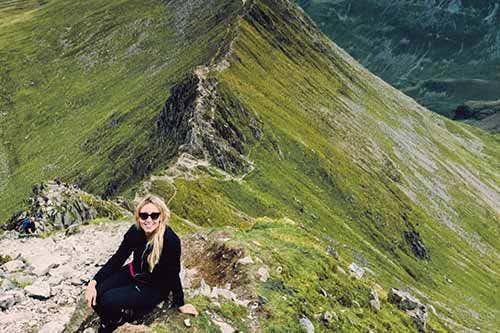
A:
[106,328]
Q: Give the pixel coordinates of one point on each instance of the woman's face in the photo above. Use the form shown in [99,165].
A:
[149,218]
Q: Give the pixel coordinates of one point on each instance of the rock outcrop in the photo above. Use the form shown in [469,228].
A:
[484,114]
[411,305]
[55,205]
[196,119]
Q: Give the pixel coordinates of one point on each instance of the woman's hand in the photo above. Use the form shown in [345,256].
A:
[188,308]
[91,294]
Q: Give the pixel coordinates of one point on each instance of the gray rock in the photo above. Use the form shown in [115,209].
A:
[15,316]
[76,281]
[38,290]
[52,327]
[80,316]
[263,273]
[227,294]
[58,222]
[307,324]
[62,271]
[223,326]
[67,220]
[411,305]
[374,300]
[13,266]
[356,271]
[245,261]
[43,263]
[9,299]
[329,317]
[330,250]
[7,285]
[205,289]
[55,280]
[73,229]
[10,234]
[404,300]
[22,278]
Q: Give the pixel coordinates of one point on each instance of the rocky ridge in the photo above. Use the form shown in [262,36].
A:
[55,205]
[43,285]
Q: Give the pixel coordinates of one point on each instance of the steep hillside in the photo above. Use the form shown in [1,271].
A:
[248,116]
[442,53]
[82,83]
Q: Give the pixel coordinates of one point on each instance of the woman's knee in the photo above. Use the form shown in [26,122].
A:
[106,302]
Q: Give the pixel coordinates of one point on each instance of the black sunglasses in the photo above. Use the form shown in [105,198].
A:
[144,216]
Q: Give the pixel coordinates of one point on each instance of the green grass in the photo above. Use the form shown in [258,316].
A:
[305,171]
[298,289]
[82,84]
[4,259]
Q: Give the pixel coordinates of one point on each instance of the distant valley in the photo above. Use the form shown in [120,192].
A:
[442,53]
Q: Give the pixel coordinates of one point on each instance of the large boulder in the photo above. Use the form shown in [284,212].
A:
[39,290]
[307,324]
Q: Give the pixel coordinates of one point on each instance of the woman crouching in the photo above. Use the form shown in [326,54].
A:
[138,287]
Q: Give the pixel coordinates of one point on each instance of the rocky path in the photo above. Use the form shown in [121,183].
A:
[42,283]
[42,280]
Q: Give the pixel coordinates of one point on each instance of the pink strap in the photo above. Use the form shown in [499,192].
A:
[131,269]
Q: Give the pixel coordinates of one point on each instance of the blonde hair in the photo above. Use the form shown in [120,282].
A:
[156,239]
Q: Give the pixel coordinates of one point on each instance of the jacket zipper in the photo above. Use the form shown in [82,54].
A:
[142,257]
[142,264]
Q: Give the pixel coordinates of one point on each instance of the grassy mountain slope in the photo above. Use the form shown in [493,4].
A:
[442,53]
[66,109]
[284,137]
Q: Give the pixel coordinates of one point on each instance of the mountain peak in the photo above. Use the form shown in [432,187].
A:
[244,114]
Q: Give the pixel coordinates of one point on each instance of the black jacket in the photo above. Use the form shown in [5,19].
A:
[165,275]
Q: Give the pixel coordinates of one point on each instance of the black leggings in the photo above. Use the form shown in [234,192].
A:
[120,292]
